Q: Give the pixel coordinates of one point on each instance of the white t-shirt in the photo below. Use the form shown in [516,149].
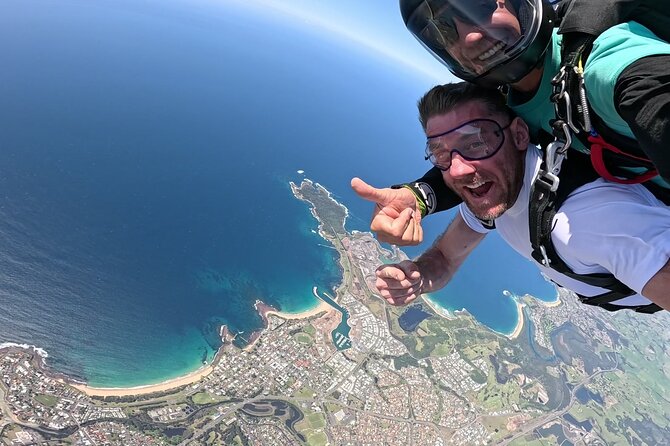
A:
[602,227]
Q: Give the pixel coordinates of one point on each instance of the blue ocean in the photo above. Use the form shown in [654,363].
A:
[146,150]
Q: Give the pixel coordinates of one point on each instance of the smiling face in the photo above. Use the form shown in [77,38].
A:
[489,42]
[480,43]
[489,186]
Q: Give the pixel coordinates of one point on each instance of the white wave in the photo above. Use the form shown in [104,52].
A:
[40,351]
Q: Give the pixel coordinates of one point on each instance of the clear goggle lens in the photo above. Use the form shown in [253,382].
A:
[474,140]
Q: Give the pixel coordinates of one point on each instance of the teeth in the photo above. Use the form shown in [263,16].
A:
[493,50]
[476,185]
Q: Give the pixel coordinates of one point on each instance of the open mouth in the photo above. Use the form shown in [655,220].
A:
[479,188]
[495,49]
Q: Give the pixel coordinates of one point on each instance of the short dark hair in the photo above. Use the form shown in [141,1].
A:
[443,98]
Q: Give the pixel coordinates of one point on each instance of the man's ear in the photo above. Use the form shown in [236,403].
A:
[520,133]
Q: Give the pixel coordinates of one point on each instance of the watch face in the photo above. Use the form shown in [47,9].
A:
[429,197]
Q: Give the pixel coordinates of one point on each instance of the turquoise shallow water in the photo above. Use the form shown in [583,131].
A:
[145,156]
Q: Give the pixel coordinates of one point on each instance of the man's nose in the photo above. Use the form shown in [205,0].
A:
[460,167]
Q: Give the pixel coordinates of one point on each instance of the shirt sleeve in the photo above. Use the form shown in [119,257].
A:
[619,229]
[587,16]
[594,17]
[642,99]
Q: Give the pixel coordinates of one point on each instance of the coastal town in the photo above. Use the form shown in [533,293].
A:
[356,371]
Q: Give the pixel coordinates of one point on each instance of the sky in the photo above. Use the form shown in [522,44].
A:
[375,24]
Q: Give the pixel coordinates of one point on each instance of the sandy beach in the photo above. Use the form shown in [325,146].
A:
[195,376]
[519,321]
[320,308]
[553,303]
[191,378]
[519,308]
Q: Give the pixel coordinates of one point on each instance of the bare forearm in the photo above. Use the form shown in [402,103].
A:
[439,263]
[436,269]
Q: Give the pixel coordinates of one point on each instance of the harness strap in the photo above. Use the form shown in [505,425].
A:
[617,290]
[571,105]
[541,211]
[598,147]
[546,197]
[645,309]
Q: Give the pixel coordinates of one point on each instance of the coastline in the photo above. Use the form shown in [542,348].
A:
[266,310]
[552,303]
[518,328]
[437,308]
[321,307]
[195,376]
[174,383]
[519,321]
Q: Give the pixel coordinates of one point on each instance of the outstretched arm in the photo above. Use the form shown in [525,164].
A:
[402,283]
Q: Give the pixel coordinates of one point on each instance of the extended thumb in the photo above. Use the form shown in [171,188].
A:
[365,191]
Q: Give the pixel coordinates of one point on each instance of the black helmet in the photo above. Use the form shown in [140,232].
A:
[509,53]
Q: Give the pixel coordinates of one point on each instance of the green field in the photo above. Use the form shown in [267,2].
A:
[203,398]
[46,400]
[304,338]
[312,428]
[316,421]
[305,392]
[317,439]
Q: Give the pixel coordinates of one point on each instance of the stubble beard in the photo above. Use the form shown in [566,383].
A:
[493,208]
[488,209]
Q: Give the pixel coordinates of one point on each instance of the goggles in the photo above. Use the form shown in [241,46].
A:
[441,28]
[474,140]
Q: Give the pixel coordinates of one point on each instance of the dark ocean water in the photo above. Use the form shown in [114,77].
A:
[145,155]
